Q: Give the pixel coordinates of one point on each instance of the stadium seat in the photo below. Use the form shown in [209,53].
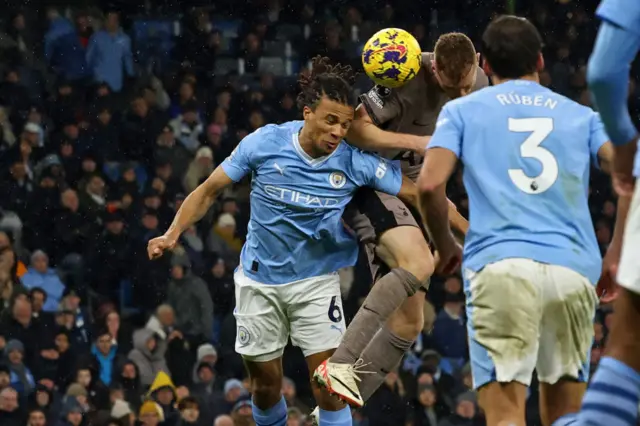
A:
[288,32]
[272,65]
[225,66]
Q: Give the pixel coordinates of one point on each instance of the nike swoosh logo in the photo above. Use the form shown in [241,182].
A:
[355,396]
[417,123]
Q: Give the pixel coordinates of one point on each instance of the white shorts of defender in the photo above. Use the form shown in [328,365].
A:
[309,311]
[525,315]
[629,268]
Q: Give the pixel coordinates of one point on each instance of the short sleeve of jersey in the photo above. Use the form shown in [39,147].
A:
[597,137]
[623,13]
[382,104]
[376,172]
[448,132]
[242,160]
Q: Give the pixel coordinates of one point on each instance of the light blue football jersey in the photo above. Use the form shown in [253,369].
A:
[296,229]
[527,153]
[616,46]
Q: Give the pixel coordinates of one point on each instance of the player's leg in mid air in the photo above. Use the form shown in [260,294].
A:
[310,311]
[317,326]
[524,315]
[377,346]
[614,392]
[262,333]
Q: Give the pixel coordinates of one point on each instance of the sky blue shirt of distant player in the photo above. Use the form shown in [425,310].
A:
[295,229]
[616,47]
[527,153]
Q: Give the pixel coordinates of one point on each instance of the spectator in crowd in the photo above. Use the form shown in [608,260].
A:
[37,417]
[148,355]
[40,275]
[151,414]
[104,358]
[189,297]
[11,414]
[22,379]
[109,54]
[199,169]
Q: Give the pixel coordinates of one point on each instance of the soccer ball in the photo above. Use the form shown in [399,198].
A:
[391,57]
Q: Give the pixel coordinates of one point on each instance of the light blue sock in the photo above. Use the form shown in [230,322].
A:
[612,397]
[568,420]
[336,418]
[274,416]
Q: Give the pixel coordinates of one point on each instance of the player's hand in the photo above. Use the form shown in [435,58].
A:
[157,246]
[607,288]
[448,258]
[622,173]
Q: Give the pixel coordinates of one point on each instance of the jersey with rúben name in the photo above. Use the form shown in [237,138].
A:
[295,229]
[412,108]
[527,153]
[624,14]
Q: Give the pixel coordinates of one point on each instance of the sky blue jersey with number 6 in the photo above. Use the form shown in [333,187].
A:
[527,153]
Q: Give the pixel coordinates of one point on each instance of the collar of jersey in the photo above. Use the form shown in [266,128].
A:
[313,162]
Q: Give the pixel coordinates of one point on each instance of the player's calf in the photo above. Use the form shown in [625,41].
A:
[269,406]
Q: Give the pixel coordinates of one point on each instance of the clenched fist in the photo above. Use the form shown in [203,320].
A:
[159,245]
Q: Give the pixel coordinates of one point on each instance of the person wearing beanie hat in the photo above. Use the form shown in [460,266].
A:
[75,390]
[121,411]
[223,240]
[233,391]
[242,410]
[150,413]
[206,354]
[72,412]
[22,379]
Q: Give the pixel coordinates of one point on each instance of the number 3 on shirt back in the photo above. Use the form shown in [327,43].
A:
[539,129]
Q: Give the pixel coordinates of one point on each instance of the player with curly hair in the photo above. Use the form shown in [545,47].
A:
[287,285]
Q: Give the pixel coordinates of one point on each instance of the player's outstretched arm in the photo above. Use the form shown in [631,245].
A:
[194,207]
[365,135]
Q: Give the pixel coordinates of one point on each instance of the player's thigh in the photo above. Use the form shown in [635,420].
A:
[566,329]
[262,327]
[385,221]
[629,268]
[314,308]
[503,311]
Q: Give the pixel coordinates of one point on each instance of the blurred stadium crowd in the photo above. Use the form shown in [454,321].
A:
[109,115]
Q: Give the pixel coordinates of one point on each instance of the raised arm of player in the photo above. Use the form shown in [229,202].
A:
[608,75]
[194,207]
[364,134]
[233,169]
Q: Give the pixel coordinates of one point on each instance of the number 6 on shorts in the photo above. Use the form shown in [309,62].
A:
[335,314]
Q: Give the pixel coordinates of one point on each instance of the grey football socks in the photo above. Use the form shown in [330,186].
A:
[380,357]
[384,298]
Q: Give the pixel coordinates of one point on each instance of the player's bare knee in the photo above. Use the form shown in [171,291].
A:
[418,261]
[409,250]
[265,393]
